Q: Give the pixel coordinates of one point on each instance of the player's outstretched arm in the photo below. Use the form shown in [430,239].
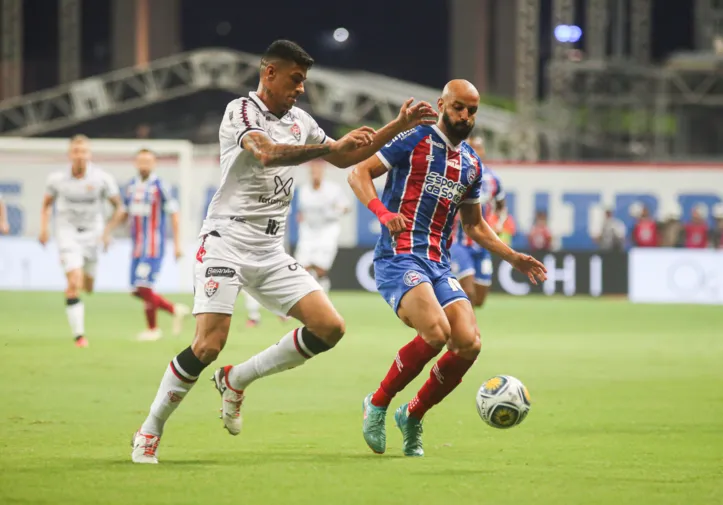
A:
[361,180]
[176,228]
[271,154]
[478,230]
[409,117]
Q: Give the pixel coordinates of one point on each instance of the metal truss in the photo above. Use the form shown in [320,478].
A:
[343,97]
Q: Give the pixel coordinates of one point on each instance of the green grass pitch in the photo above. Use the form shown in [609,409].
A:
[627,409]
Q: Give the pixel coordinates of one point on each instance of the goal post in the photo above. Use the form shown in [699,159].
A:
[25,164]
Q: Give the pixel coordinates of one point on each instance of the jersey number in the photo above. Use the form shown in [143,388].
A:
[273,227]
[454,284]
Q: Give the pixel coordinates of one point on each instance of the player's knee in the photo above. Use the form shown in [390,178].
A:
[469,346]
[330,330]
[210,338]
[438,333]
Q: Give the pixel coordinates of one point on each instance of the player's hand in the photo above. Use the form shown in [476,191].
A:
[4,228]
[355,139]
[107,239]
[529,266]
[178,251]
[415,115]
[43,237]
[395,223]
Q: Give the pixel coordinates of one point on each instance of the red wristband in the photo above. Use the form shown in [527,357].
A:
[379,210]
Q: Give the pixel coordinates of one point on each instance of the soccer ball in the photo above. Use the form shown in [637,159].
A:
[503,401]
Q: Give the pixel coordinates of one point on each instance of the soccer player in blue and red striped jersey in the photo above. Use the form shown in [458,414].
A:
[432,175]
[472,264]
[149,205]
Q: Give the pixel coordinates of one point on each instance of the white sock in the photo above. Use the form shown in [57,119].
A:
[76,317]
[325,283]
[176,383]
[291,351]
[253,307]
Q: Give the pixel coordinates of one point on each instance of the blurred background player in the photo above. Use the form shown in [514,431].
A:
[321,204]
[645,229]
[696,231]
[149,205]
[78,192]
[539,239]
[716,232]
[432,174]
[4,226]
[471,264]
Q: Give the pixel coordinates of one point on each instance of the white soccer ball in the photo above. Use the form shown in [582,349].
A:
[503,401]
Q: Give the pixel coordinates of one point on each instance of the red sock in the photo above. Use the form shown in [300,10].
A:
[407,365]
[446,375]
[147,295]
[163,304]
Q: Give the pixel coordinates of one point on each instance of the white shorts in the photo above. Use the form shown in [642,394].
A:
[273,278]
[319,253]
[79,250]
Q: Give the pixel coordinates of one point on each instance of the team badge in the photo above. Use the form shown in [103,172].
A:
[471,175]
[412,278]
[210,287]
[296,131]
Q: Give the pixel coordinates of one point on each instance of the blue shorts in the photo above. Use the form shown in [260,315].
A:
[468,261]
[144,271]
[396,275]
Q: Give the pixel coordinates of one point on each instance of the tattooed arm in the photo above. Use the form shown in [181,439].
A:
[271,154]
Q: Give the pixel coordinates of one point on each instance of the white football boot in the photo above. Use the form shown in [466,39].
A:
[180,313]
[150,335]
[232,401]
[145,448]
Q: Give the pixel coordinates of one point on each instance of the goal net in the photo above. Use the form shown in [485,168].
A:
[25,164]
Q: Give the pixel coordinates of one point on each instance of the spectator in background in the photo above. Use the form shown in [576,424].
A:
[716,233]
[4,226]
[540,238]
[672,233]
[645,231]
[696,231]
[612,234]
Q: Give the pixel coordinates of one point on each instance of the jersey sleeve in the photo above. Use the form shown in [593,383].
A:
[316,134]
[397,150]
[474,193]
[170,204]
[51,186]
[242,117]
[110,186]
[127,192]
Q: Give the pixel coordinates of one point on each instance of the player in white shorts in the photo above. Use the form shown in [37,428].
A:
[262,136]
[321,204]
[78,193]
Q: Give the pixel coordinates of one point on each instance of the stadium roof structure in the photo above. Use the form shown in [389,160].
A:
[345,97]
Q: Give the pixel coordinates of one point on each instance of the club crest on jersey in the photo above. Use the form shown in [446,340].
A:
[412,278]
[471,175]
[210,287]
[296,131]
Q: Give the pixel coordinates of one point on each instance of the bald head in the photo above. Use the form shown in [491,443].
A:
[460,89]
[457,106]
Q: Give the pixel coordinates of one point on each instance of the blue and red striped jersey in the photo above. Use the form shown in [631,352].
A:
[148,203]
[492,192]
[427,181]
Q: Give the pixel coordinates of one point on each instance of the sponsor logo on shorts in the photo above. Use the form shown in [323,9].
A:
[220,272]
[412,278]
[210,287]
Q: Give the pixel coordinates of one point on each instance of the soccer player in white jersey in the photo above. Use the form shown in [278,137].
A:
[4,226]
[263,137]
[78,193]
[321,204]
